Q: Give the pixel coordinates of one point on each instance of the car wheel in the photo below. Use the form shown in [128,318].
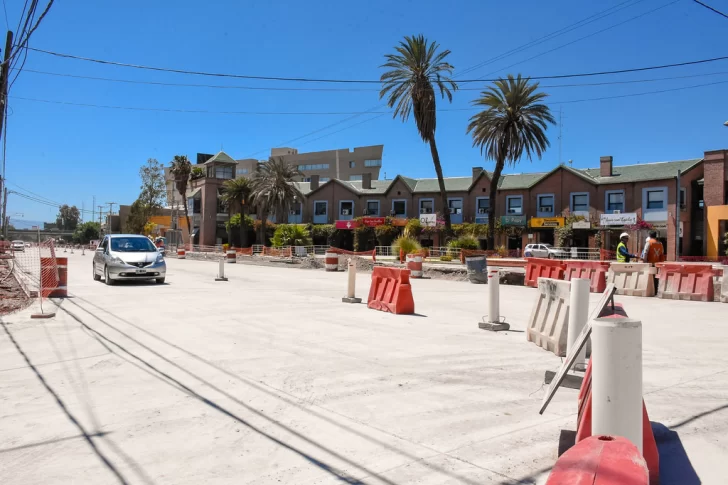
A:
[551,255]
[96,277]
[160,281]
[107,279]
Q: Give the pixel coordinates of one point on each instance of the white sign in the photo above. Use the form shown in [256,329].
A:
[581,225]
[428,220]
[625,219]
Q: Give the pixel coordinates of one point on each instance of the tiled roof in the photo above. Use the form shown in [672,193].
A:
[517,181]
[221,157]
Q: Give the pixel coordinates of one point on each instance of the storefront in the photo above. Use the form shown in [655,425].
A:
[513,228]
[542,229]
[613,225]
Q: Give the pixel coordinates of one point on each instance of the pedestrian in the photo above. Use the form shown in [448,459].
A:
[653,253]
[623,256]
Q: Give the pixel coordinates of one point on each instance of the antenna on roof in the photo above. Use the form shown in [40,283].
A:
[571,163]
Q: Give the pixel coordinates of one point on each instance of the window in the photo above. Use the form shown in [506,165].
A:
[482,204]
[314,166]
[320,208]
[514,204]
[455,206]
[615,201]
[427,206]
[545,204]
[352,164]
[241,171]
[222,172]
[372,207]
[580,202]
[372,163]
[306,179]
[655,199]
[296,209]
[399,207]
[354,177]
[683,197]
[346,208]
[324,179]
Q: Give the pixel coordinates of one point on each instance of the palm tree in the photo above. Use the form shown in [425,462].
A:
[273,190]
[408,86]
[180,170]
[513,122]
[236,194]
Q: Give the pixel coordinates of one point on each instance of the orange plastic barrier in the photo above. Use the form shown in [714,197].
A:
[61,289]
[278,253]
[390,291]
[372,253]
[600,460]
[685,282]
[595,271]
[543,268]
[244,251]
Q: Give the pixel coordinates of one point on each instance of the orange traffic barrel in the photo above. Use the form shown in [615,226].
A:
[414,264]
[331,261]
[231,256]
[180,253]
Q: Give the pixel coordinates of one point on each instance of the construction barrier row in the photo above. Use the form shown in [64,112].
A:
[390,291]
[594,271]
[543,268]
[632,279]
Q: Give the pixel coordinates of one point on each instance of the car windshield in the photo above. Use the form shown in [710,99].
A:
[548,246]
[132,245]
[18,242]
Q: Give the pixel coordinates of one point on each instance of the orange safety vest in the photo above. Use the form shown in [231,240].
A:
[655,252]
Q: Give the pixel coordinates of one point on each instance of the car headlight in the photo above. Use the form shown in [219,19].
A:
[160,258]
[117,260]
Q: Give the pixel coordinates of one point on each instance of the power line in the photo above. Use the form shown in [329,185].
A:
[711,8]
[267,88]
[362,81]
[5,8]
[311,113]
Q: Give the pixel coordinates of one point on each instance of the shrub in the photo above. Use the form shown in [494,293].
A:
[291,235]
[364,238]
[406,244]
[464,242]
[446,258]
[386,234]
[502,251]
[413,229]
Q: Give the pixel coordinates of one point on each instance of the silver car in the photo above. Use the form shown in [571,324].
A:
[128,257]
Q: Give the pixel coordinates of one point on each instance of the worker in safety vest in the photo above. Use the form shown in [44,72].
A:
[653,252]
[623,256]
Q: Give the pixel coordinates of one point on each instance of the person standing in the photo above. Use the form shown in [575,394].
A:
[623,255]
[654,253]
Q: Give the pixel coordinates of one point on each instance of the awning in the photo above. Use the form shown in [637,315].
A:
[194,193]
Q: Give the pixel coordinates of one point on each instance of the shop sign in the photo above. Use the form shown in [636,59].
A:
[399,222]
[481,219]
[581,225]
[547,222]
[347,224]
[626,219]
[373,221]
[519,221]
[428,220]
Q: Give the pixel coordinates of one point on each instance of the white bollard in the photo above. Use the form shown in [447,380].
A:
[578,316]
[351,283]
[494,322]
[617,378]
[221,271]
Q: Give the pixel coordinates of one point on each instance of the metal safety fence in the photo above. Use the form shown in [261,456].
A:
[36,270]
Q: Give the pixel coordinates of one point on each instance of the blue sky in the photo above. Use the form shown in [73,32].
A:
[70,153]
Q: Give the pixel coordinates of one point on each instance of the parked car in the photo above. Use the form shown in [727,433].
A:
[543,251]
[128,257]
[18,245]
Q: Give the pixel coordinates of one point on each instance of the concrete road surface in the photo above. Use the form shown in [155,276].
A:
[268,378]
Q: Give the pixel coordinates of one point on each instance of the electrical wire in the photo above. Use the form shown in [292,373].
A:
[39,201]
[24,41]
[266,88]
[327,113]
[363,81]
[711,8]
[5,8]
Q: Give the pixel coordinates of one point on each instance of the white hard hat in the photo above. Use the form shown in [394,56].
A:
[624,234]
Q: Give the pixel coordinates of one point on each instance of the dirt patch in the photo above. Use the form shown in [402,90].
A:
[311,263]
[362,265]
[12,296]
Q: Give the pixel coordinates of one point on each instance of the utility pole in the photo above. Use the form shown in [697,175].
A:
[561,130]
[93,210]
[4,74]
[100,207]
[111,207]
[5,213]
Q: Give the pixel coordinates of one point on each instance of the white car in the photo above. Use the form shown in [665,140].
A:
[543,251]
[18,245]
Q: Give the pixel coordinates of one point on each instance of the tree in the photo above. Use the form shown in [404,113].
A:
[408,86]
[137,218]
[512,123]
[68,217]
[180,170]
[273,190]
[87,232]
[153,189]
[236,194]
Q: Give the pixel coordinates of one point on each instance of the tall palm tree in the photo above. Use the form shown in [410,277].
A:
[408,86]
[180,170]
[273,190]
[236,194]
[512,123]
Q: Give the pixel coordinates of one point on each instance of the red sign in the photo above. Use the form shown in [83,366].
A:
[346,224]
[373,221]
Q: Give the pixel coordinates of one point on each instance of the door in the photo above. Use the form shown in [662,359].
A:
[99,255]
